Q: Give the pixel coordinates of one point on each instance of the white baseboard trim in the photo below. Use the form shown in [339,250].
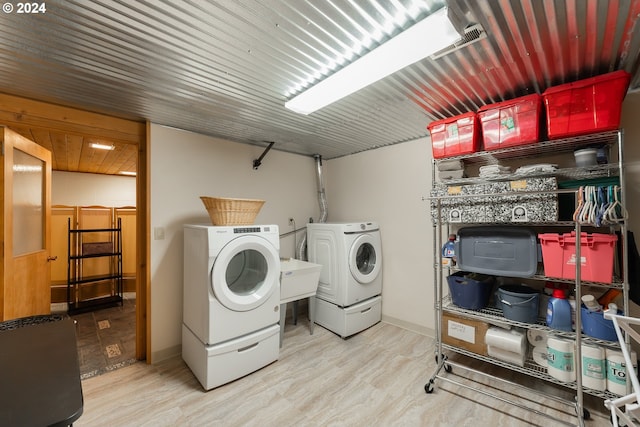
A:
[164,354]
[422,330]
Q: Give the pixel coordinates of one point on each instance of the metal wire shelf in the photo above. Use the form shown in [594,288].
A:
[532,369]
[493,314]
[597,171]
[555,146]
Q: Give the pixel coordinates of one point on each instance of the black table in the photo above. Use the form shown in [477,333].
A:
[39,372]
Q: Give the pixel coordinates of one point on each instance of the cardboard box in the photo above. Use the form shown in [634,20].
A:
[511,206]
[464,333]
[506,202]
[459,210]
[97,248]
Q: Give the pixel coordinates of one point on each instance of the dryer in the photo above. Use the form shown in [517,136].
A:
[231,299]
[348,296]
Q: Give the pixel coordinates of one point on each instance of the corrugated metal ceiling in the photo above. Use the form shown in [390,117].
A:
[225,68]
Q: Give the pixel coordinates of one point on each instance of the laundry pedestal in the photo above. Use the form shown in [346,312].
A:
[298,280]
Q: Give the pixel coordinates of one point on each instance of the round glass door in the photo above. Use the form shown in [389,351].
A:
[363,258]
[245,273]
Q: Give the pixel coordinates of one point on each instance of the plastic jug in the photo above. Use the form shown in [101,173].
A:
[449,252]
[559,311]
[591,303]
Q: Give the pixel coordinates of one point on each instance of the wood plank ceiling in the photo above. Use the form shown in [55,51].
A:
[225,68]
[74,153]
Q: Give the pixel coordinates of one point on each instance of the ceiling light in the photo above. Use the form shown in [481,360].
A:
[27,168]
[417,42]
[102,146]
[129,173]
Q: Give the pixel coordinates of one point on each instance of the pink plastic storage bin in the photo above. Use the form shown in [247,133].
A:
[511,123]
[589,105]
[455,136]
[596,253]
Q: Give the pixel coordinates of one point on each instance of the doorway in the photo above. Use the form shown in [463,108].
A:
[95,280]
[68,133]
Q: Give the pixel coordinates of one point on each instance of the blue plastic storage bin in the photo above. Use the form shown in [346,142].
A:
[595,325]
[470,290]
[519,303]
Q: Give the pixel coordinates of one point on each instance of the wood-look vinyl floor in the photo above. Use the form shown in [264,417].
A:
[375,378]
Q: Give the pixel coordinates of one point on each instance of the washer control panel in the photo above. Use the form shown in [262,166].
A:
[240,230]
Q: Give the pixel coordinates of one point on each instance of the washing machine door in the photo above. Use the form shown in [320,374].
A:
[245,273]
[365,258]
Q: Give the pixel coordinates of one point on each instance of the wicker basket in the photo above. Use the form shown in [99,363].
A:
[226,211]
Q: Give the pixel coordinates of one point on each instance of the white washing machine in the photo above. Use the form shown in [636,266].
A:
[348,298]
[231,300]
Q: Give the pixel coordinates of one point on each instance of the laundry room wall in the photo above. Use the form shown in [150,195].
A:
[631,126]
[386,185]
[185,166]
[89,189]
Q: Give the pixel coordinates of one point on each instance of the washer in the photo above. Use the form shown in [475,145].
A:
[351,256]
[351,275]
[231,300]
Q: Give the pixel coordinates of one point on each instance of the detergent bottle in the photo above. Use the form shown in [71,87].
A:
[559,311]
[449,252]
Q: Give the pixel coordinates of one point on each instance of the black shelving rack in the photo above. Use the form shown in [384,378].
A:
[79,251]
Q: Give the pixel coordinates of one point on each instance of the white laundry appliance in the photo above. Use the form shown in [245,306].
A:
[348,299]
[231,300]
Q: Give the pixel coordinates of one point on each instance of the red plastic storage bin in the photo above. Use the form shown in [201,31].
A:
[455,136]
[596,253]
[589,105]
[511,123]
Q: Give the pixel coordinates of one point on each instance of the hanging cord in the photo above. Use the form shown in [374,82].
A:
[295,244]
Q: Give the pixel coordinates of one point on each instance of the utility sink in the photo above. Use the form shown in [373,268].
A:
[298,279]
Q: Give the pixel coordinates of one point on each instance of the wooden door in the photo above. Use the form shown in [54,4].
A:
[26,227]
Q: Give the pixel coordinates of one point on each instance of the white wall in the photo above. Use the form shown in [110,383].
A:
[90,189]
[387,185]
[185,166]
[631,125]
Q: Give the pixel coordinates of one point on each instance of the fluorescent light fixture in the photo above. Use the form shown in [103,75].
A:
[102,146]
[129,173]
[428,36]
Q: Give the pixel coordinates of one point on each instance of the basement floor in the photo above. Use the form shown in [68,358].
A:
[106,338]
